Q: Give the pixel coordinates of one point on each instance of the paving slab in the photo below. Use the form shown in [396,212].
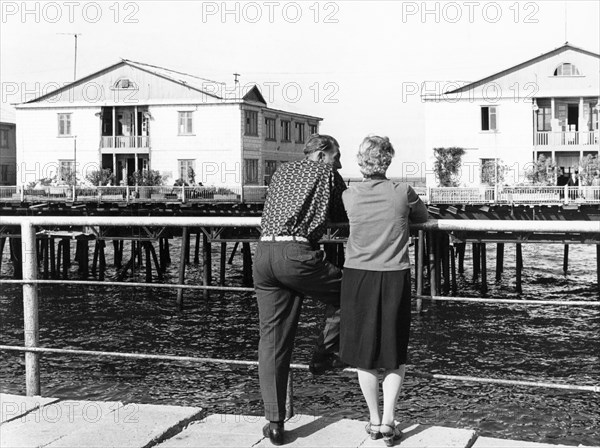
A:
[15,406]
[490,442]
[132,425]
[424,436]
[219,430]
[54,421]
[314,431]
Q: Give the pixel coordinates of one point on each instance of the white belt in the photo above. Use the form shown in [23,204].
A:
[300,239]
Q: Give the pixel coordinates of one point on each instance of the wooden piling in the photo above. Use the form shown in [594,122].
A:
[102,261]
[461,257]
[45,248]
[484,286]
[438,263]
[167,252]
[222,261]
[184,237]
[84,248]
[95,257]
[117,253]
[66,257]
[207,265]
[432,264]
[16,257]
[197,249]
[247,265]
[235,246]
[148,262]
[519,267]
[453,269]
[566,260]
[2,243]
[499,261]
[156,262]
[419,250]
[445,258]
[476,260]
[53,273]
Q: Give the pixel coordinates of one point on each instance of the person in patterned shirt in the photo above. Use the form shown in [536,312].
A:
[302,197]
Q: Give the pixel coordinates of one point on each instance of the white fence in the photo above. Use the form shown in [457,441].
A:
[567,138]
[235,194]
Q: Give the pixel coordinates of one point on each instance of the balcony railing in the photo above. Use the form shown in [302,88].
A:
[527,195]
[125,141]
[567,138]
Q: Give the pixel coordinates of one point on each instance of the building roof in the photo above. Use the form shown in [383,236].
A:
[565,47]
[215,89]
[7,114]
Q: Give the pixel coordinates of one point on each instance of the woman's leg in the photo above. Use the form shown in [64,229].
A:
[392,383]
[369,384]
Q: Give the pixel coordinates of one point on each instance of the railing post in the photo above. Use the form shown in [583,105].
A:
[420,255]
[74,193]
[183,194]
[566,194]
[30,309]
[22,193]
[127,193]
[242,193]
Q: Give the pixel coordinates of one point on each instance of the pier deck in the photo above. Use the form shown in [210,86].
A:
[53,422]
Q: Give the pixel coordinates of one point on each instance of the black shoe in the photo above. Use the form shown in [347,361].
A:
[274,431]
[320,363]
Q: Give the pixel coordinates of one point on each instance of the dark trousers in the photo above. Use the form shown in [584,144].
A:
[284,273]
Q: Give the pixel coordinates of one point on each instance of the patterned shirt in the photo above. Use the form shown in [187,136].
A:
[301,198]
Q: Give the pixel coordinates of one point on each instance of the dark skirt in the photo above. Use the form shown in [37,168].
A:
[375,318]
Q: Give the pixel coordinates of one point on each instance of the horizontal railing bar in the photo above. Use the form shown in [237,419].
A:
[134,284]
[294,366]
[445,225]
[515,301]
[244,289]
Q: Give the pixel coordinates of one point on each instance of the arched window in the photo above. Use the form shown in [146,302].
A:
[566,69]
[124,83]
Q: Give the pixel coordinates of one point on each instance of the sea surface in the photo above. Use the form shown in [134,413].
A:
[558,344]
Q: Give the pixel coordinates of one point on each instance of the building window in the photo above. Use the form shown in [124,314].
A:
[313,129]
[489,118]
[270,168]
[299,132]
[187,170]
[66,169]
[64,124]
[251,171]
[3,138]
[185,123]
[566,69]
[124,83]
[270,129]
[251,123]
[286,131]
[3,173]
[544,115]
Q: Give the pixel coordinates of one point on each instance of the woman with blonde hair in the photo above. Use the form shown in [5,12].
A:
[376,291]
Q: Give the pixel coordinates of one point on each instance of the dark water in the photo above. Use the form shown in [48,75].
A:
[549,343]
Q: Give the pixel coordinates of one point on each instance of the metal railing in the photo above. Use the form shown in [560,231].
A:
[515,195]
[30,282]
[566,138]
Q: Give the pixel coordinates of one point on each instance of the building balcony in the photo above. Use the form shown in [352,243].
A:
[567,139]
[125,142]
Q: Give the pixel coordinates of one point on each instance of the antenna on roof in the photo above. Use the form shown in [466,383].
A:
[236,81]
[566,40]
[75,63]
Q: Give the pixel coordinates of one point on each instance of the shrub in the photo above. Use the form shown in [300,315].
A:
[446,166]
[541,172]
[147,178]
[100,177]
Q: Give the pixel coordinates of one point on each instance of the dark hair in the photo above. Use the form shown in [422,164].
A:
[319,142]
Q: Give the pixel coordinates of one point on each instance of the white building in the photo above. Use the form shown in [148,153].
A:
[8,160]
[547,105]
[133,116]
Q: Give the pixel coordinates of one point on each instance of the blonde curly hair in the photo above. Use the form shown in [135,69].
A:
[375,155]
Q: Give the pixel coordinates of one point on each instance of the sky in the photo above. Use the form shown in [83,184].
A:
[357,64]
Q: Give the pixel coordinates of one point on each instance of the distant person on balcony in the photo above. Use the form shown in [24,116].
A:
[288,265]
[376,288]
[574,179]
[596,185]
[562,179]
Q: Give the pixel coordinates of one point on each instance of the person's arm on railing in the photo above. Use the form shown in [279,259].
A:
[418,210]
